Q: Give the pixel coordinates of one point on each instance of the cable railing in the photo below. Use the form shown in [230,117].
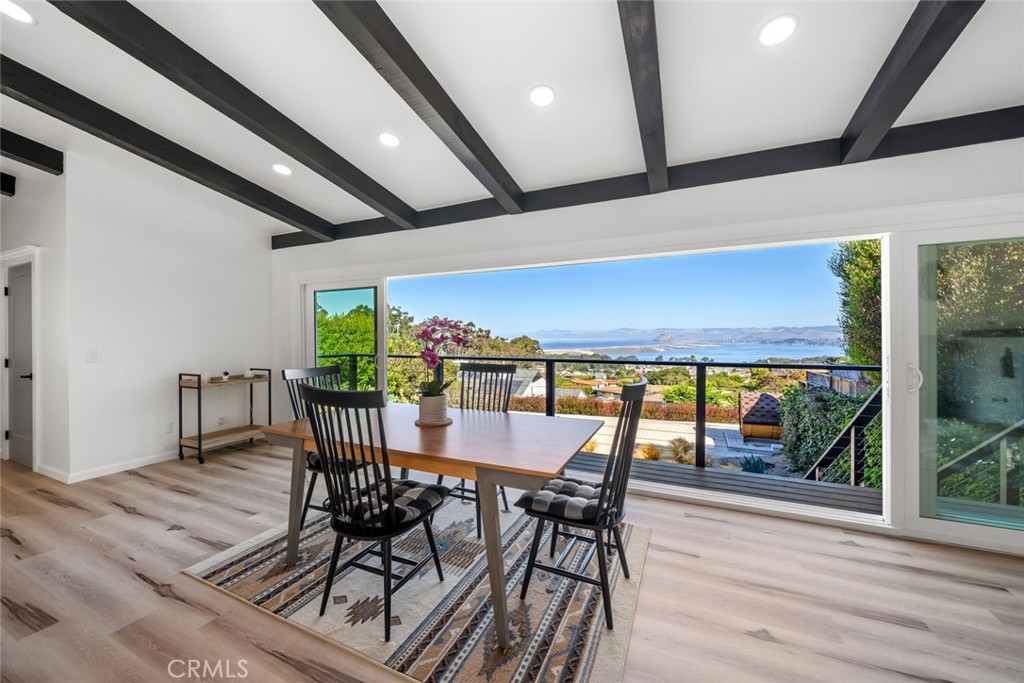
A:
[990,472]
[352,363]
[847,459]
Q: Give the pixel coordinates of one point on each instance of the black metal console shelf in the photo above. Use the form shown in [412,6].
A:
[201,441]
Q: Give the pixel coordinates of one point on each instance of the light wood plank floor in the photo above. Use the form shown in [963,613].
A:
[91,590]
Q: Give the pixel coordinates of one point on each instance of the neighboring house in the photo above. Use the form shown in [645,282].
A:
[608,391]
[848,382]
[569,392]
[759,415]
[527,382]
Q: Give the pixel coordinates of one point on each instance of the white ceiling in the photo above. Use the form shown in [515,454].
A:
[983,70]
[723,93]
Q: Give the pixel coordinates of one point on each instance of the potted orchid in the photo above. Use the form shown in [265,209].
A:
[437,334]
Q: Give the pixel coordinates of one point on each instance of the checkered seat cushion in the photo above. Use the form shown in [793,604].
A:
[411,500]
[564,498]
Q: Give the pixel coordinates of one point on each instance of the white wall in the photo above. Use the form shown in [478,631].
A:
[159,284]
[36,216]
[160,275]
[970,186]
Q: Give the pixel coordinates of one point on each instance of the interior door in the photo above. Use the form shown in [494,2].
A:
[345,328]
[970,352]
[19,329]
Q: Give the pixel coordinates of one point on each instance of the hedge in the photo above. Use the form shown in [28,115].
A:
[674,412]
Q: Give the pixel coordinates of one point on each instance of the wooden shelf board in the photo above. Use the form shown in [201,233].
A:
[224,437]
[232,380]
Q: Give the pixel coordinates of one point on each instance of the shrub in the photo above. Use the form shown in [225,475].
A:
[753,464]
[647,451]
[682,451]
[675,412]
[812,418]
[687,393]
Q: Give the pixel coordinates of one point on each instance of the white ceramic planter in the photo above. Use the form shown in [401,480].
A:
[433,409]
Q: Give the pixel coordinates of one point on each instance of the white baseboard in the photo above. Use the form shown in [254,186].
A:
[119,467]
[53,473]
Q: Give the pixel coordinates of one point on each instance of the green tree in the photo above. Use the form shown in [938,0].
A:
[858,265]
[812,418]
[340,335]
[670,375]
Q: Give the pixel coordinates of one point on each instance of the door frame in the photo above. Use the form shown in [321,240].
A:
[9,259]
[307,343]
[905,255]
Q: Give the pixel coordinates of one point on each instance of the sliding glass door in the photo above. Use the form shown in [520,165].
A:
[970,339]
[345,329]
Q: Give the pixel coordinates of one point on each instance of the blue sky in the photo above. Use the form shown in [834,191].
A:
[750,288]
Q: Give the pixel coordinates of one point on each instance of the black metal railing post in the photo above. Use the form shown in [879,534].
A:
[856,452]
[549,387]
[439,371]
[700,458]
[353,372]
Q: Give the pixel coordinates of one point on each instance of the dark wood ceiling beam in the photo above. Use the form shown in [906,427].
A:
[931,30]
[7,184]
[31,153]
[131,30]
[791,159]
[369,29]
[29,87]
[640,36]
[959,131]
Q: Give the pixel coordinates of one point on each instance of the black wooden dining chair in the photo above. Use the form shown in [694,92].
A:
[328,377]
[484,386]
[364,502]
[598,508]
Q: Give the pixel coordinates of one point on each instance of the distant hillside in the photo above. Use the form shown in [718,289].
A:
[821,334]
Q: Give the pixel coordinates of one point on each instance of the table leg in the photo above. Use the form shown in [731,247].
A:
[295,500]
[487,483]
[487,491]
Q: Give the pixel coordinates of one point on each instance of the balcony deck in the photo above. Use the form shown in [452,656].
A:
[821,494]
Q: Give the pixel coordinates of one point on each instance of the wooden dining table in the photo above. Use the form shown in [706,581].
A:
[516,450]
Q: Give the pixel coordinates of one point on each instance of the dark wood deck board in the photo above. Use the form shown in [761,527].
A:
[823,494]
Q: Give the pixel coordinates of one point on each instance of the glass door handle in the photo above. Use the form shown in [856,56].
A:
[915,378]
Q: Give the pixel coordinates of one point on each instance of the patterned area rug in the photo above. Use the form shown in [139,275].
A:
[444,631]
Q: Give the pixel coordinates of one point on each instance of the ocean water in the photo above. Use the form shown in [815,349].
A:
[723,353]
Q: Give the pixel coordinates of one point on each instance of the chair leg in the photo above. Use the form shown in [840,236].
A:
[386,557]
[503,498]
[479,523]
[330,574]
[622,550]
[309,497]
[602,567]
[433,548]
[554,538]
[533,559]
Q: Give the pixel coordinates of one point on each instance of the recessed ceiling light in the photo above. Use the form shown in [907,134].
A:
[542,95]
[16,12]
[389,139]
[282,169]
[777,30]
